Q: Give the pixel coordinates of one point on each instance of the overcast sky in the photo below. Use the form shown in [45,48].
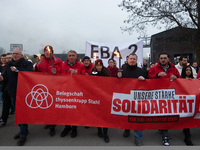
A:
[63,24]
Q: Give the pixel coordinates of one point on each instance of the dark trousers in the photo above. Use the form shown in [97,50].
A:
[6,106]
[73,127]
[105,130]
[186,132]
[164,133]
[23,130]
[52,126]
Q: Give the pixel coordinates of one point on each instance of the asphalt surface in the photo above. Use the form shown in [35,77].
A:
[38,136]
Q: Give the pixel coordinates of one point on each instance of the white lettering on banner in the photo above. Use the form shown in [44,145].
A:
[153,103]
[94,101]
[65,106]
[69,93]
[74,100]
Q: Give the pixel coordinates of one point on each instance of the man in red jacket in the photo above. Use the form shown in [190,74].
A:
[164,69]
[52,65]
[71,66]
[88,65]
[49,63]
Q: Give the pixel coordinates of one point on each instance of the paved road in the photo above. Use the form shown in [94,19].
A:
[38,136]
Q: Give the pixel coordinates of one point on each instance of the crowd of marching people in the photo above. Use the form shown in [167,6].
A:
[13,63]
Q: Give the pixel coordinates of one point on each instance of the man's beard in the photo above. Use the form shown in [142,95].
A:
[163,63]
[184,65]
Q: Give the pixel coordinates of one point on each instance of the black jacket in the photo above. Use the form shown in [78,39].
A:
[2,68]
[132,71]
[104,72]
[10,77]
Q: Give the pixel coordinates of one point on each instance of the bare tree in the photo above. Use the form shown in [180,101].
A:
[167,13]
[171,13]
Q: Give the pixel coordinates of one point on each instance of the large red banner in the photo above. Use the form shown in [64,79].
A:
[107,102]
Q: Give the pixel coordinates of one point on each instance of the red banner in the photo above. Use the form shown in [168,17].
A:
[107,102]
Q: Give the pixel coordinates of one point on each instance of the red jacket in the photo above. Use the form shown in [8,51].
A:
[88,71]
[44,65]
[198,75]
[113,71]
[79,67]
[152,74]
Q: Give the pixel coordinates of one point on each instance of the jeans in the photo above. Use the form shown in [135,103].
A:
[138,134]
[13,100]
[23,130]
[1,98]
[12,107]
[164,133]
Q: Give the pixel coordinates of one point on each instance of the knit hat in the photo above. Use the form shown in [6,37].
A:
[98,61]
[85,57]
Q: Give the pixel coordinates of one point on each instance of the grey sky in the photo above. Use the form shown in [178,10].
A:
[64,24]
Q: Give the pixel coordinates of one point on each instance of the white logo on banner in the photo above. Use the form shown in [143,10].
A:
[39,97]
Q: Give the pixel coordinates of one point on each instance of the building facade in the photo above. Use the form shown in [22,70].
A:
[176,42]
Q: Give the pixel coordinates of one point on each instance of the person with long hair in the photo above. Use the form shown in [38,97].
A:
[112,68]
[187,74]
[100,70]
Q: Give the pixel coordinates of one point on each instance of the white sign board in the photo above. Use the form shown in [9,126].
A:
[105,51]
[14,46]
